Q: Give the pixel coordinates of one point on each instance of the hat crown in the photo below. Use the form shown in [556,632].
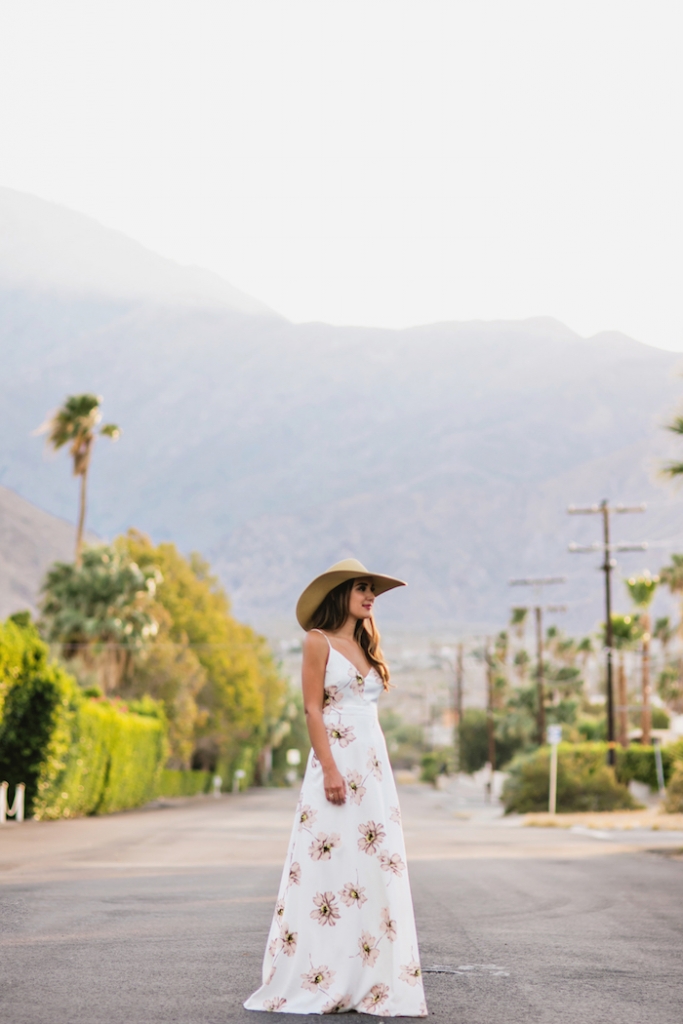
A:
[349,565]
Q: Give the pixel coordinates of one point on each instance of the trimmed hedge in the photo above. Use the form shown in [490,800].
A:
[76,755]
[638,762]
[584,781]
[176,782]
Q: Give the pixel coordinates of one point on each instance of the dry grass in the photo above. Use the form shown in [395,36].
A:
[605,820]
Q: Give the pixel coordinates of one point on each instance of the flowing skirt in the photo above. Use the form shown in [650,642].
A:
[343,933]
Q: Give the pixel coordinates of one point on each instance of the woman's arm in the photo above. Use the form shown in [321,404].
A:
[313,682]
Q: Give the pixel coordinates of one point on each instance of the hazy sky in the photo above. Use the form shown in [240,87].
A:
[370,162]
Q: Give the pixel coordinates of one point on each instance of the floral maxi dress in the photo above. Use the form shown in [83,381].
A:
[343,933]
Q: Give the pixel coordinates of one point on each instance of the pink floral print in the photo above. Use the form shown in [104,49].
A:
[372,835]
[411,972]
[306,817]
[367,944]
[375,765]
[341,734]
[356,789]
[318,978]
[288,940]
[387,924]
[273,1005]
[358,685]
[295,874]
[395,815]
[337,1005]
[326,910]
[353,894]
[377,995]
[331,699]
[391,862]
[322,846]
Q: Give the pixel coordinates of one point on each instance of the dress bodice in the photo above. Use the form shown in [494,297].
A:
[345,687]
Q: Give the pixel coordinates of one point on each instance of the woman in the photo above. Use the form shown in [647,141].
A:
[343,933]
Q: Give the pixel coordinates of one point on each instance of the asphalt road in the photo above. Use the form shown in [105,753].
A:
[161,915]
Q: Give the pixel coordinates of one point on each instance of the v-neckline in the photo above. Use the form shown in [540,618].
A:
[348,660]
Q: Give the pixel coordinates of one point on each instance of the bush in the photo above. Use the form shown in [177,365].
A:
[638,762]
[76,755]
[584,781]
[673,803]
[474,744]
[436,762]
[176,782]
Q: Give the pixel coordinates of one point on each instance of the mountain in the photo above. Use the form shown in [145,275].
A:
[30,540]
[446,454]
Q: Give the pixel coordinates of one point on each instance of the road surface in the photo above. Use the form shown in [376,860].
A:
[161,915]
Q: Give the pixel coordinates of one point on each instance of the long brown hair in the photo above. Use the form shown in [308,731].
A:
[332,613]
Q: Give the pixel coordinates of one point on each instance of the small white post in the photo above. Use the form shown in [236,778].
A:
[16,811]
[554,738]
[217,783]
[237,778]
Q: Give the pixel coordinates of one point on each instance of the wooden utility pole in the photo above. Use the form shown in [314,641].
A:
[459,681]
[607,547]
[490,724]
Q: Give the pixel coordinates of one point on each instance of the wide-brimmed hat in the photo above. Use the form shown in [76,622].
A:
[340,572]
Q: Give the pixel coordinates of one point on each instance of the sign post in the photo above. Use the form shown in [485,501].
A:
[554,738]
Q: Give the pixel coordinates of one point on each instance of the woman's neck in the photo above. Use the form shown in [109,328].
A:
[348,630]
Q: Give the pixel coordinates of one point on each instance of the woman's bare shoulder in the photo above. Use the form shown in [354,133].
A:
[315,645]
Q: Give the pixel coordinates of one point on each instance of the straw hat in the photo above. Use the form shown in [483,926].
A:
[319,588]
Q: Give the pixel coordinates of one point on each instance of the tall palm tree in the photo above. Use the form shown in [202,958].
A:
[642,590]
[674,469]
[626,632]
[74,424]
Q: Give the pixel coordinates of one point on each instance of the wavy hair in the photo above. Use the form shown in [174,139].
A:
[332,613]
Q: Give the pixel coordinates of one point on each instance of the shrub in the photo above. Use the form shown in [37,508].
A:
[436,762]
[638,762]
[76,755]
[584,781]
[673,802]
[176,782]
[474,744]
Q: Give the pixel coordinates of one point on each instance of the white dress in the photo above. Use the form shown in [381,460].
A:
[343,933]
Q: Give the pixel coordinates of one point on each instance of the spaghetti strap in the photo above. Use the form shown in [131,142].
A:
[316,630]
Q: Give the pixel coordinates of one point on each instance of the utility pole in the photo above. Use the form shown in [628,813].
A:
[607,547]
[490,725]
[538,585]
[459,681]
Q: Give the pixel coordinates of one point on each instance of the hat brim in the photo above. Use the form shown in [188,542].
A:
[318,589]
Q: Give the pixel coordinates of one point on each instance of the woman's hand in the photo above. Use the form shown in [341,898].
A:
[335,786]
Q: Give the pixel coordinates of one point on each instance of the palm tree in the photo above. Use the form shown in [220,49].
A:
[626,632]
[74,424]
[642,590]
[674,469]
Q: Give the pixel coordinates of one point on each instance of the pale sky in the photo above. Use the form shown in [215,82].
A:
[379,163]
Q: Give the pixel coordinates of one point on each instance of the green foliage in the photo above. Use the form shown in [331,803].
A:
[100,609]
[638,762]
[175,782]
[74,424]
[405,741]
[673,802]
[584,781]
[511,734]
[76,755]
[241,695]
[295,737]
[642,589]
[672,575]
[660,719]
[435,763]
[592,729]
[669,686]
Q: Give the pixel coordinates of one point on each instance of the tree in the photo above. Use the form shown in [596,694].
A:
[243,696]
[672,577]
[74,424]
[674,469]
[642,590]
[626,633]
[100,610]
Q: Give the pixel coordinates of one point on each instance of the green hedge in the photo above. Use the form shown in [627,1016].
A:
[76,755]
[638,762]
[584,781]
[175,782]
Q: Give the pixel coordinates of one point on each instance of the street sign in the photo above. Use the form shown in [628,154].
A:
[554,734]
